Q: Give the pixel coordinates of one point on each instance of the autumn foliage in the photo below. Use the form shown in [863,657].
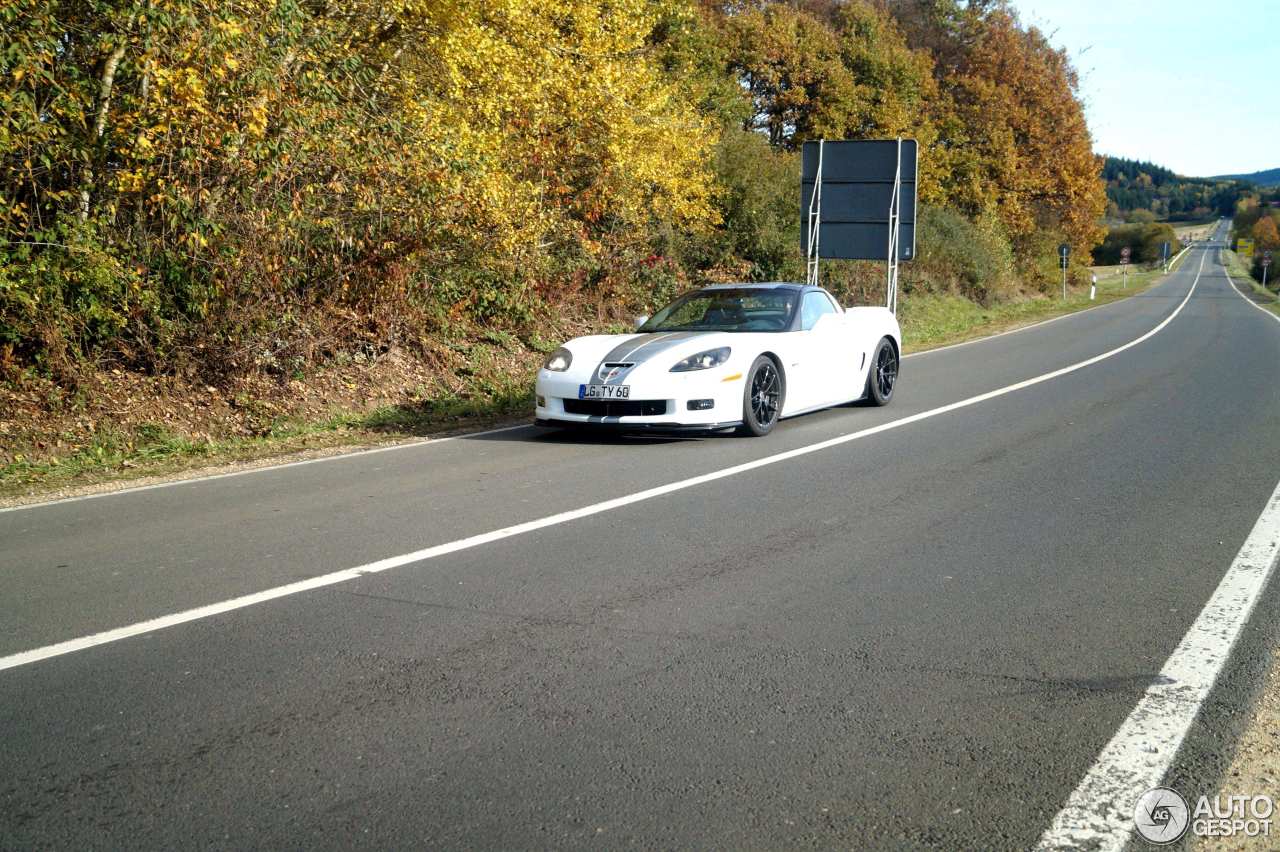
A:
[1258,218]
[208,187]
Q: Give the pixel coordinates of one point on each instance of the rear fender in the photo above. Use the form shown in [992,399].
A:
[868,325]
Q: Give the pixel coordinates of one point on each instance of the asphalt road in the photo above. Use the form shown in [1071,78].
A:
[920,638]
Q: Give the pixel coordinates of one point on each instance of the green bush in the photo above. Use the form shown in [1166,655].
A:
[957,255]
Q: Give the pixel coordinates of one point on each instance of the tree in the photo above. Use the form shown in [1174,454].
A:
[790,64]
[1016,98]
[1265,234]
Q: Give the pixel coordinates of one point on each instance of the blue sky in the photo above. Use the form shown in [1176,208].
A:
[1180,83]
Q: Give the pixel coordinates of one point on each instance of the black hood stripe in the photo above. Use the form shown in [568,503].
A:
[637,350]
[642,348]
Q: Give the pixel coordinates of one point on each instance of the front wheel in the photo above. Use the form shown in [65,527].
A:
[882,378]
[762,398]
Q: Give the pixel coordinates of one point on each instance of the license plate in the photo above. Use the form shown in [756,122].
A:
[604,391]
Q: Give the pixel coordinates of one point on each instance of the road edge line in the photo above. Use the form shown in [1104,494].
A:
[1080,312]
[1242,294]
[1142,750]
[1099,813]
[367,451]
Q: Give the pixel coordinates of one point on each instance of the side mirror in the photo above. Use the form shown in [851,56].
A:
[641,320]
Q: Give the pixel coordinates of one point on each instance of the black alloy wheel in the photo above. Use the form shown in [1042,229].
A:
[762,398]
[883,376]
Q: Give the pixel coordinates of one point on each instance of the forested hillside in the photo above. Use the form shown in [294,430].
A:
[1267,178]
[191,185]
[1139,190]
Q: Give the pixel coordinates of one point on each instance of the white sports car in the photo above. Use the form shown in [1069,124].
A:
[730,355]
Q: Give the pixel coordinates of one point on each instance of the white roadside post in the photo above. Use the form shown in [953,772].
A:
[1064,252]
[1093,286]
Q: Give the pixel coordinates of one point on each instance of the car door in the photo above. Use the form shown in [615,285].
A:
[821,363]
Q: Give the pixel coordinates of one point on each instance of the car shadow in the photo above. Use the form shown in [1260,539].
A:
[530,434]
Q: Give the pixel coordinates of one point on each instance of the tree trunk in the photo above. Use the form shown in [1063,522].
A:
[107,81]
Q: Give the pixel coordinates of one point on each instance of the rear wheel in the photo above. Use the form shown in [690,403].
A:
[762,397]
[882,378]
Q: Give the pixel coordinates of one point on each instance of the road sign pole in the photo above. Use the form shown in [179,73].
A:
[1064,280]
[815,223]
[895,221]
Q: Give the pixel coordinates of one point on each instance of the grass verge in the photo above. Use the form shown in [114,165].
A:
[118,456]
[931,321]
[1240,273]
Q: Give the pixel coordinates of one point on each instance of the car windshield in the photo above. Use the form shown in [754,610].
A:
[748,309]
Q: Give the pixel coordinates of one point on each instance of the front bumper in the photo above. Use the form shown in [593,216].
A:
[553,389]
[614,424]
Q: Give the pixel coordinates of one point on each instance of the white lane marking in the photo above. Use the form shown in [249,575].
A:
[1023,328]
[433,441]
[37,654]
[265,468]
[1242,294]
[1099,813]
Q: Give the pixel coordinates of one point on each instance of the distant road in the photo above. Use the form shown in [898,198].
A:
[922,636]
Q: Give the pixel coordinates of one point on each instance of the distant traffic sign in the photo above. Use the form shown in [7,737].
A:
[1124,254]
[1244,247]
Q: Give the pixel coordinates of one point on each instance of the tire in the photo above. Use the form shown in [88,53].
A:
[762,398]
[882,377]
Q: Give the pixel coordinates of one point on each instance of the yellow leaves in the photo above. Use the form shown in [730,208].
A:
[257,120]
[130,180]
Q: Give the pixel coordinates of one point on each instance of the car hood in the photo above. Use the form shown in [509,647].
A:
[594,351]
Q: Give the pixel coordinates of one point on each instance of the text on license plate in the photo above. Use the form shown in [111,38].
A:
[604,391]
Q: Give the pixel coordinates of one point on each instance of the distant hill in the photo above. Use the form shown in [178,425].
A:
[1135,185]
[1270,177]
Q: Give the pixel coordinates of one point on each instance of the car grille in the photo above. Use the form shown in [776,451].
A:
[616,407]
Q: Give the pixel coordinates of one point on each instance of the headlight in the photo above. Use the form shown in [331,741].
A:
[703,360]
[559,360]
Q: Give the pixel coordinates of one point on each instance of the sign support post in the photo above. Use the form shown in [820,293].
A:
[895,217]
[814,224]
